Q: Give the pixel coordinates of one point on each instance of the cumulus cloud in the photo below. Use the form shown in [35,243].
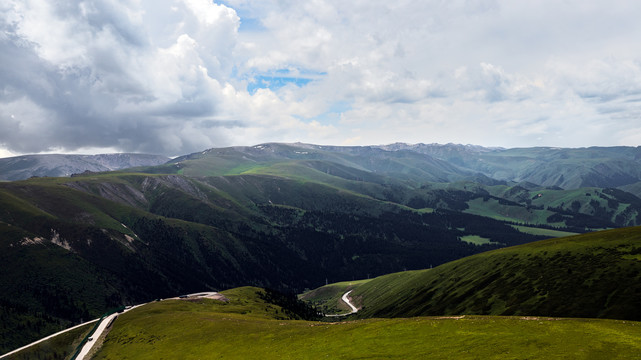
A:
[92,74]
[176,76]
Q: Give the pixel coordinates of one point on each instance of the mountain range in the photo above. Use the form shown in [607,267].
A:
[286,216]
[26,166]
[567,168]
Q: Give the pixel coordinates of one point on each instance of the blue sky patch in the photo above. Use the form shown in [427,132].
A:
[276,79]
[275,82]
[248,20]
[250,24]
[340,107]
[332,116]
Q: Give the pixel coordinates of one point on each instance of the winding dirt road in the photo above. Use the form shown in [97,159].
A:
[346,300]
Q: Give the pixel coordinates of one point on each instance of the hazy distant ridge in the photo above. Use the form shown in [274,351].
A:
[58,165]
[568,168]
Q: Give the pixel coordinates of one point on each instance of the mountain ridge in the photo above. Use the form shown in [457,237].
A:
[56,165]
[568,168]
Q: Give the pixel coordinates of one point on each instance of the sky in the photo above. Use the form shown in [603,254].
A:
[179,76]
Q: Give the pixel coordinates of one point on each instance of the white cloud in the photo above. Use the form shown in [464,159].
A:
[6,153]
[104,82]
[172,76]
[630,136]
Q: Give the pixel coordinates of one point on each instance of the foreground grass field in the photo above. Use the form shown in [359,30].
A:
[248,328]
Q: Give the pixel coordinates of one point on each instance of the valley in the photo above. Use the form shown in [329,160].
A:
[445,230]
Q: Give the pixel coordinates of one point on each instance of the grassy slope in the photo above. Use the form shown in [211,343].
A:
[247,328]
[493,209]
[59,347]
[535,206]
[544,232]
[327,299]
[47,288]
[632,188]
[591,275]
[56,289]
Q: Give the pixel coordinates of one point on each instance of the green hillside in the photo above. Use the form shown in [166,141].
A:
[285,216]
[327,299]
[75,247]
[403,165]
[502,184]
[575,210]
[595,275]
[248,327]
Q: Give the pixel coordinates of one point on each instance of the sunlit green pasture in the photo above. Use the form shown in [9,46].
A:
[244,328]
